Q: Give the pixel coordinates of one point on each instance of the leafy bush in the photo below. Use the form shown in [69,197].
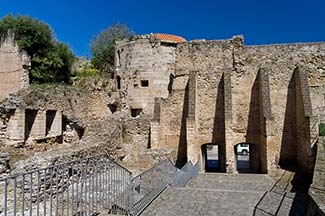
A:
[103,47]
[51,61]
[322,129]
[87,72]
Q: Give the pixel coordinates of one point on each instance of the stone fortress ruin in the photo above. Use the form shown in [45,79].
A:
[223,93]
[184,101]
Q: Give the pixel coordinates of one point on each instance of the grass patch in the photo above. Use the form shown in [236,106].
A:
[45,86]
[88,73]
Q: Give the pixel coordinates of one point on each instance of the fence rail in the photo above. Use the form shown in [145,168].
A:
[148,185]
[88,186]
[82,187]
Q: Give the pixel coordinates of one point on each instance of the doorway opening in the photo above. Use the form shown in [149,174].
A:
[210,157]
[243,157]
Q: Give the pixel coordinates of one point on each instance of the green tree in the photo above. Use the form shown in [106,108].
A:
[103,46]
[51,60]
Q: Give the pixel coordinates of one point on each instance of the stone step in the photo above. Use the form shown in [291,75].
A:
[232,177]
[270,203]
[283,204]
[284,183]
[237,177]
[294,204]
[238,182]
[192,201]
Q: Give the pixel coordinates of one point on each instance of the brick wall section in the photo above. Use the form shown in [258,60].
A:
[16,126]
[265,91]
[154,134]
[56,127]
[156,112]
[230,166]
[193,151]
[38,130]
[155,125]
[319,171]
[318,185]
[227,95]
[191,123]
[303,114]
[30,124]
[303,80]
[14,64]
[192,88]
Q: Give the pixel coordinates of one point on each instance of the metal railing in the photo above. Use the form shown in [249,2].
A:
[89,186]
[148,185]
[188,171]
[82,187]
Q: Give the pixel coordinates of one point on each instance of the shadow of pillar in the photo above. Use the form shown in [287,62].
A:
[256,129]
[30,116]
[182,145]
[289,145]
[219,130]
[296,153]
[288,152]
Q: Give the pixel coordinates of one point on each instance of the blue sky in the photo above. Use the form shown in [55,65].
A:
[76,22]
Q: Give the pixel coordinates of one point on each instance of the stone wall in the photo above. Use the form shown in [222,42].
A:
[289,100]
[267,96]
[177,110]
[14,65]
[318,185]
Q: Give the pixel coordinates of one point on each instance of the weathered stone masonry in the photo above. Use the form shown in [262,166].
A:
[14,66]
[27,124]
[144,80]
[225,93]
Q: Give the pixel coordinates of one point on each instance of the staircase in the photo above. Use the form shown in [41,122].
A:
[283,200]
[272,201]
[213,194]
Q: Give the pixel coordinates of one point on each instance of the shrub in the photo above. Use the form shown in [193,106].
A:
[322,129]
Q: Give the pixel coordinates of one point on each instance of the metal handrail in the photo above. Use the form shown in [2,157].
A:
[152,168]
[85,186]
[63,164]
[175,178]
[89,186]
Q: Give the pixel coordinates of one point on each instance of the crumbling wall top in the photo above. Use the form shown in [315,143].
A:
[155,37]
[14,65]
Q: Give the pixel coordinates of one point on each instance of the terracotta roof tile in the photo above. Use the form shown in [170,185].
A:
[169,37]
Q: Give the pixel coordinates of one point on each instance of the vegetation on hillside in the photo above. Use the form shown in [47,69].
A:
[103,46]
[322,129]
[87,70]
[51,60]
